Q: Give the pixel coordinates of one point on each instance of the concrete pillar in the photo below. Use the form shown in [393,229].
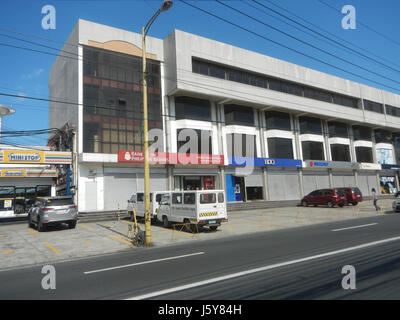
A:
[265,183]
[353,157]
[356,177]
[300,177]
[330,178]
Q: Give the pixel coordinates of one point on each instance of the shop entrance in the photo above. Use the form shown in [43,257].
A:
[387,184]
[194,183]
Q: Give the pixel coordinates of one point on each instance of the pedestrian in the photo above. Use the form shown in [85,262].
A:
[375,199]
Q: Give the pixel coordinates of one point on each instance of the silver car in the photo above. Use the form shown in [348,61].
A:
[396,205]
[53,210]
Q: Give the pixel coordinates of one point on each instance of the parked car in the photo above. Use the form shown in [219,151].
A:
[137,202]
[396,203]
[53,210]
[353,195]
[329,197]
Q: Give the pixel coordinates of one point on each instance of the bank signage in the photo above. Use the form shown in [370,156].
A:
[331,164]
[390,167]
[170,158]
[265,162]
[370,166]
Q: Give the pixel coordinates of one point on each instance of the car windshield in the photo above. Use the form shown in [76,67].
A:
[59,202]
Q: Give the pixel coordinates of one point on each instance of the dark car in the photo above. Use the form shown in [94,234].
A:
[329,197]
[353,195]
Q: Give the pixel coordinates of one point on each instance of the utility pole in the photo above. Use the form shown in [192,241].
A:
[164,7]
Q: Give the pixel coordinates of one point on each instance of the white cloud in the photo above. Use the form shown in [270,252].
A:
[34,74]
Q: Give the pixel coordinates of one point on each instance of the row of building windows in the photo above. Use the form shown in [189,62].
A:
[233,74]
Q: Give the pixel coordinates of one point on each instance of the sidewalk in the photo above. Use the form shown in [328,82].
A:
[21,246]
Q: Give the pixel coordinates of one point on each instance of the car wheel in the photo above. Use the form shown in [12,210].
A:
[30,223]
[355,203]
[166,223]
[40,226]
[330,204]
[304,203]
[72,224]
[213,228]
[341,205]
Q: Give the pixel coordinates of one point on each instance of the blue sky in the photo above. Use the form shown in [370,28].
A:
[26,73]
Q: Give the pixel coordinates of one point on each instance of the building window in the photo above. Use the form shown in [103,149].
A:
[200,141]
[392,111]
[212,69]
[278,120]
[254,193]
[280,148]
[340,152]
[313,150]
[362,133]
[310,125]
[112,101]
[238,115]
[364,154]
[373,106]
[396,145]
[383,136]
[337,129]
[241,145]
[192,108]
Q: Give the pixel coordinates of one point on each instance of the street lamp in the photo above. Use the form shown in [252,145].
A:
[164,7]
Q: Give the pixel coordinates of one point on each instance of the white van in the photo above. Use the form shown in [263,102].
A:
[137,202]
[201,207]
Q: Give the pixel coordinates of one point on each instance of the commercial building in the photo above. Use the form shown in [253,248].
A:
[219,117]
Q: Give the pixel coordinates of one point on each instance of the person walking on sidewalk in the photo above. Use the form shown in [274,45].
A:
[375,199]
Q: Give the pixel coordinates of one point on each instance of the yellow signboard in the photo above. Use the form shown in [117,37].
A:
[13,173]
[23,156]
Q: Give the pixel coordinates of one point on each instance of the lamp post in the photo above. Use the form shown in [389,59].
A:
[164,7]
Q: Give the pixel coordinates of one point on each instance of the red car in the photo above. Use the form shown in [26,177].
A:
[353,195]
[329,197]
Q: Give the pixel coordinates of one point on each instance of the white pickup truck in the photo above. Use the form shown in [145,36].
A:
[201,207]
[136,202]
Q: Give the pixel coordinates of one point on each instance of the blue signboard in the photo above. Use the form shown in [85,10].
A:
[265,162]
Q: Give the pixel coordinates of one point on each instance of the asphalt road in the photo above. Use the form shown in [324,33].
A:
[297,263]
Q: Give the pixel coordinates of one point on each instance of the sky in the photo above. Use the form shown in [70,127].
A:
[26,73]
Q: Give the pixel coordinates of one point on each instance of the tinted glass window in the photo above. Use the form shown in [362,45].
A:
[200,141]
[239,115]
[362,133]
[140,197]
[192,108]
[20,192]
[345,101]
[383,136]
[207,198]
[241,145]
[177,198]
[133,199]
[392,111]
[43,191]
[373,106]
[285,87]
[7,192]
[340,152]
[310,125]
[189,198]
[313,150]
[220,197]
[337,129]
[317,94]
[158,198]
[364,154]
[278,120]
[280,148]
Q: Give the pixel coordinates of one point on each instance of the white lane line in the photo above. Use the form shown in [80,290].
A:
[355,227]
[144,262]
[265,268]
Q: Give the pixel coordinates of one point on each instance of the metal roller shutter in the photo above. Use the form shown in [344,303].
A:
[118,188]
[283,185]
[343,179]
[315,180]
[255,179]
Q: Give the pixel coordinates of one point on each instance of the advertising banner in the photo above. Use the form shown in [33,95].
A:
[265,162]
[35,157]
[331,164]
[170,158]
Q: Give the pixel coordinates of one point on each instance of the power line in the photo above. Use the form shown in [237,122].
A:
[341,45]
[312,46]
[363,24]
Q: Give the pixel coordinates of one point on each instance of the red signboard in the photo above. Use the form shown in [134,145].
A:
[169,158]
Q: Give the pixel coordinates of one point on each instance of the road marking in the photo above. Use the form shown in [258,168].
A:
[355,227]
[85,226]
[120,239]
[145,262]
[260,269]
[32,233]
[1,236]
[8,251]
[86,243]
[48,245]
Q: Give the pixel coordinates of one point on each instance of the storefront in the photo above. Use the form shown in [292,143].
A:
[367,177]
[246,179]
[389,179]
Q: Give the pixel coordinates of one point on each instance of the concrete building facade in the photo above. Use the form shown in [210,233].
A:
[265,129]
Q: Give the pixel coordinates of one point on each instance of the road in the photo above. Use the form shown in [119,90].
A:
[297,263]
